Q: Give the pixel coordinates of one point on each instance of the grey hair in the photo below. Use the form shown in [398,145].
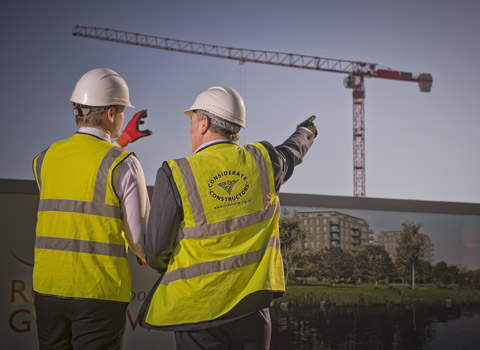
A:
[94,115]
[220,126]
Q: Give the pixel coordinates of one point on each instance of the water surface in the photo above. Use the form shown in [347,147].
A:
[376,327]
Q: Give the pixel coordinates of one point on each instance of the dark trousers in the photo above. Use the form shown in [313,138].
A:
[79,323]
[251,332]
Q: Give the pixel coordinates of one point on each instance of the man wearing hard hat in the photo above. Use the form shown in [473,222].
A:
[93,206]
[213,230]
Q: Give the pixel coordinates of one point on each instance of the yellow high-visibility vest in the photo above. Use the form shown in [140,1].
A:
[228,242]
[80,250]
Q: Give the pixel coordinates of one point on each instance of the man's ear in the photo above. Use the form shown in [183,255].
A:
[205,123]
[110,114]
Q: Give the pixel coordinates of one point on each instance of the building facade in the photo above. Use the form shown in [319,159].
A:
[389,241]
[329,228]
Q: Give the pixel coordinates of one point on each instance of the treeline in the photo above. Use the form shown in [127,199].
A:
[371,263]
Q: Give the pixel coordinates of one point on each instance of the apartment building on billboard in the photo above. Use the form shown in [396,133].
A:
[389,241]
[334,229]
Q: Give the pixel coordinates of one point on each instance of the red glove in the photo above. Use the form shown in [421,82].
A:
[141,262]
[131,133]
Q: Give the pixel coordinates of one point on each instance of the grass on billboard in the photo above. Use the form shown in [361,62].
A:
[318,294]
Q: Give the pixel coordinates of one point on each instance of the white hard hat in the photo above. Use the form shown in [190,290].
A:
[222,101]
[101,87]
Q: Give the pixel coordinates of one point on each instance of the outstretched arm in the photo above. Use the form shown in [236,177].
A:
[291,152]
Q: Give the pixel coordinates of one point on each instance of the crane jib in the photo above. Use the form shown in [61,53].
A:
[356,72]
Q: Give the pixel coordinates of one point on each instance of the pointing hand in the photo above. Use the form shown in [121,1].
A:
[309,125]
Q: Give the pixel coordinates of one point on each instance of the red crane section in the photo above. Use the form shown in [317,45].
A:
[356,71]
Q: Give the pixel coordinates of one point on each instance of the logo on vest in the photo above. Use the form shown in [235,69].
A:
[229,186]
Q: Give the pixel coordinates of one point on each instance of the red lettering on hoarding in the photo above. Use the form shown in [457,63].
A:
[134,324]
[140,296]
[18,287]
[26,324]
[22,261]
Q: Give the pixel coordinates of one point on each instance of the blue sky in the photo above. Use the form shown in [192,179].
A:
[418,145]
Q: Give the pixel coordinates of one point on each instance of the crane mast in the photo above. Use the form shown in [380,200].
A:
[356,72]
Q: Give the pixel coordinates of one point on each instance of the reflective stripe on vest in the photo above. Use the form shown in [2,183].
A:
[79,248]
[38,168]
[229,263]
[223,254]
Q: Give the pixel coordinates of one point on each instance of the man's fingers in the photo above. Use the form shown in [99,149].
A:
[146,132]
[141,114]
[311,119]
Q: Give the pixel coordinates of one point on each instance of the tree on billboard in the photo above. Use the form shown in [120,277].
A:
[292,241]
[336,264]
[410,249]
[403,272]
[374,263]
[469,278]
[424,271]
[439,273]
[453,274]
[313,265]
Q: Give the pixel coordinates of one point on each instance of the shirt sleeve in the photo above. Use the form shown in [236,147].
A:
[162,229]
[130,186]
[289,154]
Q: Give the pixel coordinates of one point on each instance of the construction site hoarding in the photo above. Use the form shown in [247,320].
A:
[454,229]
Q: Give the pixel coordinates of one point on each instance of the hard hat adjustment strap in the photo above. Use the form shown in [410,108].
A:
[85,111]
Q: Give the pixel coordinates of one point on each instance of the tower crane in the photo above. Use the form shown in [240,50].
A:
[356,73]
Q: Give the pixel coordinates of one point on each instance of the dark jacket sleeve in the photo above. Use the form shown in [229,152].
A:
[164,221]
[289,154]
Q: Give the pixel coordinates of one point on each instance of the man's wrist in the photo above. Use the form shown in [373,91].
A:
[305,128]
[123,140]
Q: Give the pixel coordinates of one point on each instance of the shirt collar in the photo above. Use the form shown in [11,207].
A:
[210,143]
[95,132]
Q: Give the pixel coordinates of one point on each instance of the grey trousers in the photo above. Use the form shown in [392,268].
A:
[251,332]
